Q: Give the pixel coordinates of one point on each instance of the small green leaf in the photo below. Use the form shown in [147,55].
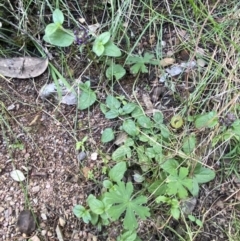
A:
[117,172]
[95,205]
[175,213]
[209,120]
[51,28]
[129,108]
[107,135]
[176,122]
[145,122]
[189,144]
[87,97]
[203,174]
[80,212]
[115,70]
[58,16]
[122,153]
[103,38]
[137,112]
[111,114]
[112,102]
[107,184]
[130,127]
[170,166]
[192,218]
[98,48]
[158,118]
[111,50]
[60,37]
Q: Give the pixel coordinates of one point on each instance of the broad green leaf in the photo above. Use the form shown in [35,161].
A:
[58,16]
[209,120]
[128,236]
[107,135]
[170,166]
[112,102]
[111,50]
[107,184]
[158,118]
[137,112]
[122,153]
[189,144]
[145,122]
[111,114]
[51,28]
[95,205]
[130,127]
[98,48]
[175,213]
[117,172]
[150,152]
[164,131]
[129,108]
[87,97]
[103,38]
[158,187]
[121,201]
[203,174]
[115,70]
[60,37]
[80,212]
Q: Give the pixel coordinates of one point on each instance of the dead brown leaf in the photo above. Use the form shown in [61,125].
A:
[166,62]
[23,67]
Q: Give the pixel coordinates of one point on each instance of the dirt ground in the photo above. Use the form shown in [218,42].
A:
[39,136]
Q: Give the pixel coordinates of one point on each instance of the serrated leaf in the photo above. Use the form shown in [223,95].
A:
[107,135]
[115,70]
[95,205]
[122,153]
[117,172]
[111,114]
[17,175]
[129,108]
[189,144]
[112,102]
[121,201]
[111,50]
[203,175]
[209,120]
[170,166]
[130,127]
[145,122]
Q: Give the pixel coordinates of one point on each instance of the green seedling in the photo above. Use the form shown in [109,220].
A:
[80,144]
[56,34]
[138,63]
[103,45]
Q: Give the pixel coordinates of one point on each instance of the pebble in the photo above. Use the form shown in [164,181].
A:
[94,156]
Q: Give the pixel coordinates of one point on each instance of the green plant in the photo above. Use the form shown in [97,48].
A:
[103,45]
[139,63]
[56,34]
[115,70]
[80,144]
[113,203]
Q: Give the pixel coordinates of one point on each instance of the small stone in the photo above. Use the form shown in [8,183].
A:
[35,189]
[81,156]
[94,156]
[43,232]
[26,222]
[62,222]
[201,62]
[43,216]
[49,233]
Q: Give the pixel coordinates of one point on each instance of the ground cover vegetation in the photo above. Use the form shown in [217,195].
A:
[125,123]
